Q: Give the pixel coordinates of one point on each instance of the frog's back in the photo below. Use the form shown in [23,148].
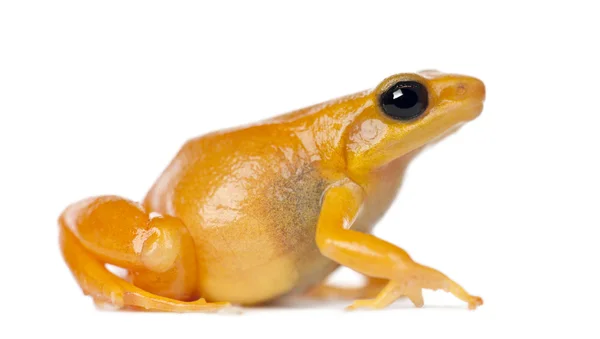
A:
[251,199]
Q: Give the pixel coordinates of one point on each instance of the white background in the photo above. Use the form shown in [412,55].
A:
[97,97]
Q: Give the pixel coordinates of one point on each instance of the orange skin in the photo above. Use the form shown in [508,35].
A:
[247,215]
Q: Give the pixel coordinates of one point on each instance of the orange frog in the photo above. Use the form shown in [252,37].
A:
[248,215]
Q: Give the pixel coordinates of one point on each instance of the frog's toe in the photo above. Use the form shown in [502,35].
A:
[143,302]
[426,277]
[475,302]
[363,303]
[415,294]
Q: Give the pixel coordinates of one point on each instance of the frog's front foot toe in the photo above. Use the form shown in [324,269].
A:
[393,291]
[362,303]
[474,302]
[415,294]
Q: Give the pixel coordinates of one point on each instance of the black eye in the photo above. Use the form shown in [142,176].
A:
[405,100]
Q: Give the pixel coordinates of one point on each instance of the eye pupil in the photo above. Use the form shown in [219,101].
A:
[405,100]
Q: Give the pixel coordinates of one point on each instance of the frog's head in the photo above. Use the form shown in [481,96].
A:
[409,111]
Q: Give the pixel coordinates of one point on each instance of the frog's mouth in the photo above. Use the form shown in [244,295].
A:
[447,133]
[473,109]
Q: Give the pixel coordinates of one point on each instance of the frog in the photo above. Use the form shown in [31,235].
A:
[252,214]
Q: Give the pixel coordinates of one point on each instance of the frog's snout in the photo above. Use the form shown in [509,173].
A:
[455,87]
[470,93]
[461,95]
[464,88]
[472,88]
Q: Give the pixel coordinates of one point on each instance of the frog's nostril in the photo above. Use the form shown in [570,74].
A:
[472,88]
[461,89]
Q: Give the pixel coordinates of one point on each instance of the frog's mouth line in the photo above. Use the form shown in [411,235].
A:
[475,106]
[467,110]
[446,134]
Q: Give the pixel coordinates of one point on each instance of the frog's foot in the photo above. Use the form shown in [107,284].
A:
[325,291]
[141,302]
[136,301]
[417,278]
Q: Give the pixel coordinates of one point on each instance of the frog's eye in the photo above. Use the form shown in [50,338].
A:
[405,100]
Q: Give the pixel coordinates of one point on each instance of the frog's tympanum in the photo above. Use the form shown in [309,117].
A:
[251,214]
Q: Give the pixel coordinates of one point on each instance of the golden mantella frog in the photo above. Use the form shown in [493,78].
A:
[247,215]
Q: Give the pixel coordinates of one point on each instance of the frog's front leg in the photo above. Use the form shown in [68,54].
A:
[158,253]
[374,257]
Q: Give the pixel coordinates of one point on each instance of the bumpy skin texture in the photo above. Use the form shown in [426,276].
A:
[251,214]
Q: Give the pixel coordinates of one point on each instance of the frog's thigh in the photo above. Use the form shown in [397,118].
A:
[374,257]
[157,252]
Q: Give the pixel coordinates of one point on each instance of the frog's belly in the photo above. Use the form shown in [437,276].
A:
[259,274]
[258,259]
[265,246]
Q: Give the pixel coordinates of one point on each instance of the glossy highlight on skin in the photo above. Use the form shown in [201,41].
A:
[247,215]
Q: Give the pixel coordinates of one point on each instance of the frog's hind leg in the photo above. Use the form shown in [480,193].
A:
[158,253]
